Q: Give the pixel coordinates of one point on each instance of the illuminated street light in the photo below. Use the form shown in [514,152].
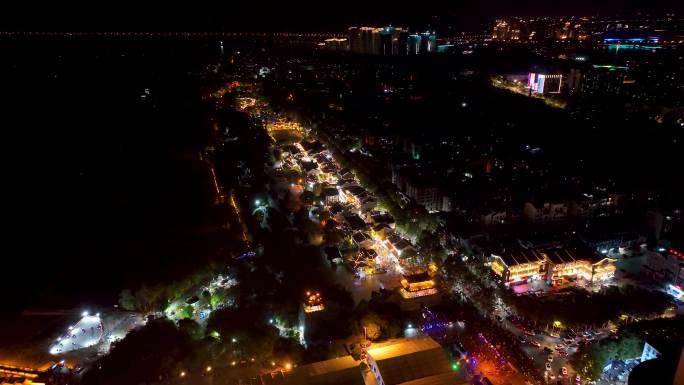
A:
[288,366]
[85,314]
[257,202]
[182,374]
[208,368]
[234,340]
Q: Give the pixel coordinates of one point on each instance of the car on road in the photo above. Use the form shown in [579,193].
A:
[535,343]
[564,370]
[528,332]
[522,339]
[548,366]
[578,379]
[549,358]
[547,350]
[560,346]
[554,335]
[562,353]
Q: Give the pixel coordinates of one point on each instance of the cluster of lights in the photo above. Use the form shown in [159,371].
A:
[55,349]
[314,302]
[283,125]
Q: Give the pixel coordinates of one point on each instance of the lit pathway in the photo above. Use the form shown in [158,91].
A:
[87,332]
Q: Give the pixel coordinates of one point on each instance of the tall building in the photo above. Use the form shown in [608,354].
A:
[501,30]
[335,44]
[428,42]
[414,44]
[386,41]
[545,84]
[387,47]
[354,37]
[402,43]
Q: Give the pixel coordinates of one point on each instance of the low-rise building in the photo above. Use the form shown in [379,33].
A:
[666,265]
[397,362]
[545,212]
[330,195]
[553,263]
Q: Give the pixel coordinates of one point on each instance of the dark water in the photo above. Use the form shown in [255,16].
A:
[106,188]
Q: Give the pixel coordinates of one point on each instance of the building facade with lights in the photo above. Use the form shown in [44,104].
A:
[554,264]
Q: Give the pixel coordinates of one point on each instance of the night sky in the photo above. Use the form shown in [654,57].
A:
[294,15]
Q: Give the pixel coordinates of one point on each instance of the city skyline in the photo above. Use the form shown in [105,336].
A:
[302,16]
[347,193]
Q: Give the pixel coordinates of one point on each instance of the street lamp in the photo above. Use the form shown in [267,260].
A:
[257,202]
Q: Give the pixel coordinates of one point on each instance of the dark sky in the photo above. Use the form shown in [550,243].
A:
[250,15]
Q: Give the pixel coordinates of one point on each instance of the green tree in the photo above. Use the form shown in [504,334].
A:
[190,327]
[307,197]
[373,325]
[127,301]
[214,300]
[186,311]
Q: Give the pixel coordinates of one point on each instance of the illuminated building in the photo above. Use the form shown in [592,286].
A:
[368,41]
[501,29]
[545,84]
[331,195]
[354,37]
[417,284]
[552,263]
[386,41]
[283,125]
[428,42]
[414,44]
[20,376]
[313,302]
[244,103]
[335,44]
[504,31]
[402,361]
[604,79]
[402,43]
[311,319]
